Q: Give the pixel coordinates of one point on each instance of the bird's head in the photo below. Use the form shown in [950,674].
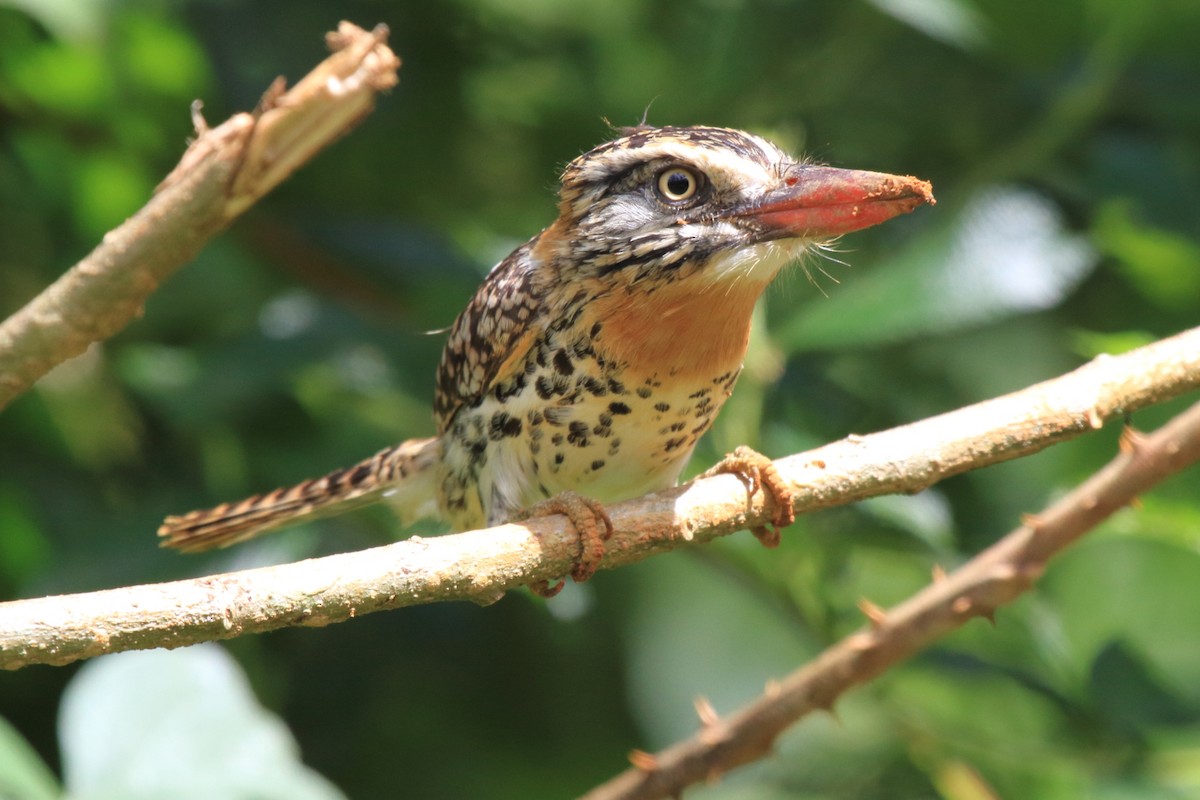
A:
[711,203]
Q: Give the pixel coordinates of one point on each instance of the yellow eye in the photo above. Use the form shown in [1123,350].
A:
[677,184]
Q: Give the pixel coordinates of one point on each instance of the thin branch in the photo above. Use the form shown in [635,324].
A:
[997,576]
[223,172]
[481,565]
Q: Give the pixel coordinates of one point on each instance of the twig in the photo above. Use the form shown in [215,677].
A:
[223,172]
[481,565]
[997,576]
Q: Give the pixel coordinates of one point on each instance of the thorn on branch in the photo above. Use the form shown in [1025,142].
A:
[1094,418]
[270,98]
[642,760]
[704,709]
[347,33]
[874,613]
[1131,440]
[939,573]
[199,124]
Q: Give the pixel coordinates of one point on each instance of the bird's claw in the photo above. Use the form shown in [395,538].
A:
[759,472]
[591,522]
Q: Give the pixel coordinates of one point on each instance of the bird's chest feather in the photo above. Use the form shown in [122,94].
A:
[610,406]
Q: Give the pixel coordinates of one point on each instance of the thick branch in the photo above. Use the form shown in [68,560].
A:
[997,576]
[481,565]
[223,173]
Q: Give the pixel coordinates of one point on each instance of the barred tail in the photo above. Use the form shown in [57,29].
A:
[403,473]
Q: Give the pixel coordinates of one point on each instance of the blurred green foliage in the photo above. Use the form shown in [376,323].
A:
[1063,140]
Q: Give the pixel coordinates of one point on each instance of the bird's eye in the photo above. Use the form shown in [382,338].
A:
[677,184]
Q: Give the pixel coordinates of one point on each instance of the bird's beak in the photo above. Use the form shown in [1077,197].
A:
[816,202]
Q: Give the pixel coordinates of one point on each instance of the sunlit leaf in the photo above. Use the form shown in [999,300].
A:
[65,80]
[161,56]
[74,20]
[951,21]
[180,724]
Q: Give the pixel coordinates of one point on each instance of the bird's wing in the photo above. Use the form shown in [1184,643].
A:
[490,339]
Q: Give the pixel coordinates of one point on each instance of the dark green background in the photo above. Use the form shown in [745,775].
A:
[1063,142]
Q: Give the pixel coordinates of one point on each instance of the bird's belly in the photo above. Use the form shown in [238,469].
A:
[610,442]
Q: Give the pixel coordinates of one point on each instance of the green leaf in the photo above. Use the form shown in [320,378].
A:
[180,724]
[74,20]
[1136,592]
[1131,695]
[23,774]
[1163,266]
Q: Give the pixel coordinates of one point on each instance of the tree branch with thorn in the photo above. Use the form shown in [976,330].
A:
[995,577]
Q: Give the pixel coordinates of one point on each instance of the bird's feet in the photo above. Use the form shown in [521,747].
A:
[759,472]
[591,522]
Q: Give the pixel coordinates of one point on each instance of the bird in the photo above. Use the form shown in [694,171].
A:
[592,359]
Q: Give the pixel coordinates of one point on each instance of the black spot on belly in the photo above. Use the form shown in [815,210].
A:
[643,392]
[598,388]
[543,387]
[562,363]
[618,408]
[597,464]
[662,407]
[674,444]
[578,433]
[502,425]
